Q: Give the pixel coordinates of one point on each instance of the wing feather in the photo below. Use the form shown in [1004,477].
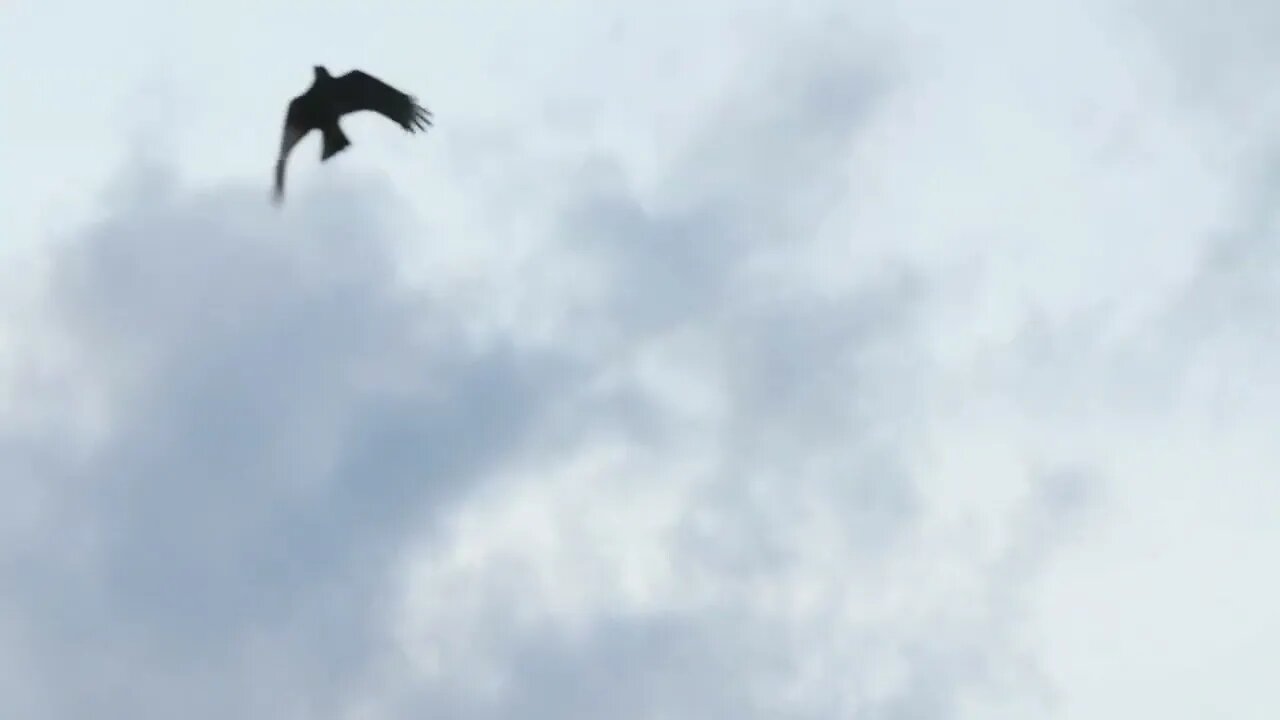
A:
[293,132]
[358,90]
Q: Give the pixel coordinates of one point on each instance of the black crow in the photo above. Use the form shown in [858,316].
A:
[328,99]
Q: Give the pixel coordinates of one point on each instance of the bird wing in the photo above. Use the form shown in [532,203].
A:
[359,90]
[294,131]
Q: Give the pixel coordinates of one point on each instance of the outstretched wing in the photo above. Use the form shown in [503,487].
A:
[294,130]
[359,90]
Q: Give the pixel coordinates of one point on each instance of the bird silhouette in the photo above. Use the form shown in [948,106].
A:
[328,99]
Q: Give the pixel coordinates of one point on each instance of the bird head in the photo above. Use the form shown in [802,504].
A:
[321,72]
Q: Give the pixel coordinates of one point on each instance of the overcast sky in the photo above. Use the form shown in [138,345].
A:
[754,359]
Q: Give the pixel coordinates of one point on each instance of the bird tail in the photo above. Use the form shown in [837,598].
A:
[335,141]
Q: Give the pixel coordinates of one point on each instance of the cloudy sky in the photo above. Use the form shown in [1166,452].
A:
[753,359]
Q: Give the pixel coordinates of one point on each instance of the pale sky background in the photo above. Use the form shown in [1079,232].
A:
[750,359]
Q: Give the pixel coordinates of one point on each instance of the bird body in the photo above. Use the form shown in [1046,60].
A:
[328,99]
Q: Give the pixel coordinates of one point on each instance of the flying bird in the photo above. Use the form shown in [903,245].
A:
[328,99]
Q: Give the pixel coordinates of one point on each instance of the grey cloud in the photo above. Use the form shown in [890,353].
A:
[281,416]
[283,420]
[759,175]
[1207,336]
[731,660]
[823,392]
